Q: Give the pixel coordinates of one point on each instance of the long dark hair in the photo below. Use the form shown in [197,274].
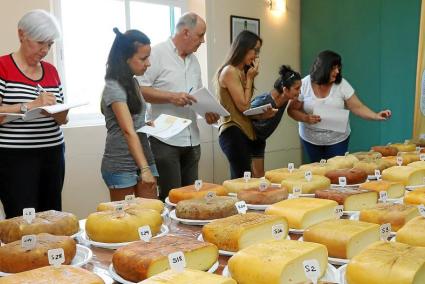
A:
[244,42]
[287,78]
[321,69]
[124,47]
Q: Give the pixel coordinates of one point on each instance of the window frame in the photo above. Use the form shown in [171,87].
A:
[94,119]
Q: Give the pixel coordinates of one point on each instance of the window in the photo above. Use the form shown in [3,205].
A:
[87,37]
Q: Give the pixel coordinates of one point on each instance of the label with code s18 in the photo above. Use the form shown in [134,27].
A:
[177,261]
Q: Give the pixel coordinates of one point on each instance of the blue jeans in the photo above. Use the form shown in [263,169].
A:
[318,152]
[117,180]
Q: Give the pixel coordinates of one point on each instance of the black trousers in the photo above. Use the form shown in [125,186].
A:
[31,178]
[238,149]
[177,166]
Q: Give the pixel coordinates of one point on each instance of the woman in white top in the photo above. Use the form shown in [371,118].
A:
[325,88]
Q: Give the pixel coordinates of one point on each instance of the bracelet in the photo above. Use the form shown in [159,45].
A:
[145,169]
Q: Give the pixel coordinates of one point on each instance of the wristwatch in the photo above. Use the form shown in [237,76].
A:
[24,108]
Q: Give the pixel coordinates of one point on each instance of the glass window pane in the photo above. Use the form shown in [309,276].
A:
[87,38]
[152,19]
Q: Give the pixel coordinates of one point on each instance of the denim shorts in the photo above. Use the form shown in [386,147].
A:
[118,180]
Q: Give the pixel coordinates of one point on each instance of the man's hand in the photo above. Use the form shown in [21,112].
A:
[182,99]
[211,117]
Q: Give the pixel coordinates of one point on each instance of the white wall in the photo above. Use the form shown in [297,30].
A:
[84,187]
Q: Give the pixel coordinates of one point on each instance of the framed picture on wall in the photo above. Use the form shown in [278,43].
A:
[238,24]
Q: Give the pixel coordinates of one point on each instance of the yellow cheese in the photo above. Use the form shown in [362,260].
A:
[112,227]
[237,232]
[143,203]
[395,214]
[413,233]
[276,262]
[404,174]
[277,175]
[304,212]
[415,197]
[343,162]
[343,238]
[388,263]
[187,276]
[393,189]
[404,147]
[417,164]
[318,168]
[236,185]
[316,183]
[352,199]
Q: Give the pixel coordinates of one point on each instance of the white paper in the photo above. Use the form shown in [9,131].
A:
[37,112]
[166,126]
[206,102]
[331,118]
[257,110]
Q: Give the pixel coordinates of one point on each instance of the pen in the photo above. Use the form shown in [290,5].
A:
[190,90]
[40,89]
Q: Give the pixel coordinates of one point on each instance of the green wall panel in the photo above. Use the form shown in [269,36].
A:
[378,41]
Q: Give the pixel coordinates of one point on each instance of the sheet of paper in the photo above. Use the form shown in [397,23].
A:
[166,126]
[206,102]
[257,110]
[331,118]
[7,117]
[36,113]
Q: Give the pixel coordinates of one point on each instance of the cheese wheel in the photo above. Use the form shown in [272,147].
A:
[404,174]
[64,274]
[277,175]
[52,222]
[316,183]
[395,214]
[352,176]
[187,276]
[140,260]
[139,202]
[114,227]
[303,212]
[189,192]
[371,155]
[14,259]
[201,209]
[393,189]
[352,199]
[343,238]
[417,164]
[413,232]
[415,197]
[239,231]
[404,147]
[276,262]
[389,263]
[268,196]
[343,162]
[369,166]
[318,168]
[236,185]
[385,150]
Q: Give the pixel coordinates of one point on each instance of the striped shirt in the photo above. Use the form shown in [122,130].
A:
[16,88]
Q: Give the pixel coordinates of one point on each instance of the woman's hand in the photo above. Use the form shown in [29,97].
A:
[383,115]
[312,119]
[267,113]
[253,71]
[44,99]
[147,189]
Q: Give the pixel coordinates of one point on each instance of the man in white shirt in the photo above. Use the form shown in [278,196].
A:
[174,73]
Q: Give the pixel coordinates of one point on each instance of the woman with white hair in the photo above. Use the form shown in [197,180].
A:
[32,152]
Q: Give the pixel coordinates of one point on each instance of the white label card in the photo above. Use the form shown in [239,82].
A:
[312,269]
[346,154]
[339,211]
[145,233]
[385,230]
[296,192]
[177,261]
[28,242]
[130,198]
[383,196]
[278,231]
[210,196]
[291,167]
[342,181]
[241,207]
[406,141]
[308,176]
[399,161]
[28,214]
[422,157]
[198,184]
[421,209]
[418,149]
[377,173]
[56,256]
[119,207]
[247,176]
[263,185]
[322,161]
